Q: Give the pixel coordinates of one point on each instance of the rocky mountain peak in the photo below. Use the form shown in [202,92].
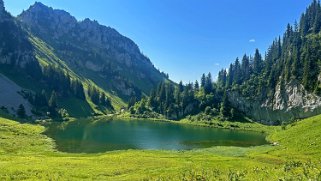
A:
[39,5]
[41,11]
[43,18]
[45,21]
[90,22]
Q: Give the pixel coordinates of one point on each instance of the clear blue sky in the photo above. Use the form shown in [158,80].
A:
[186,38]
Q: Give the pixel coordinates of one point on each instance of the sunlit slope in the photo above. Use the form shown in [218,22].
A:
[302,138]
[46,57]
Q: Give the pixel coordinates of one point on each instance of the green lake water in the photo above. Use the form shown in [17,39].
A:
[102,136]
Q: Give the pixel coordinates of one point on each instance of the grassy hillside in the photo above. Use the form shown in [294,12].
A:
[27,154]
[46,57]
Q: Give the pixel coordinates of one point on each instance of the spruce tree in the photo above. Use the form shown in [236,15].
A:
[230,77]
[221,80]
[245,68]
[203,81]
[224,108]
[237,72]
[208,87]
[196,86]
[180,86]
[21,112]
[257,62]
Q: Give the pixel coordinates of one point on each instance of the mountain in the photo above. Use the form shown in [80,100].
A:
[53,65]
[100,53]
[282,86]
[31,71]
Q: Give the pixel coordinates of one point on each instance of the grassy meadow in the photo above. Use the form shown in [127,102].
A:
[27,154]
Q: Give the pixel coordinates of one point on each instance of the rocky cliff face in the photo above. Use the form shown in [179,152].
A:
[91,49]
[290,101]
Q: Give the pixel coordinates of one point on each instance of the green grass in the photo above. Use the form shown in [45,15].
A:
[26,154]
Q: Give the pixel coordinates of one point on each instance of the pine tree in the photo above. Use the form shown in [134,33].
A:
[21,112]
[180,86]
[222,76]
[203,81]
[237,72]
[297,65]
[224,109]
[230,77]
[196,86]
[245,68]
[208,87]
[257,62]
[311,68]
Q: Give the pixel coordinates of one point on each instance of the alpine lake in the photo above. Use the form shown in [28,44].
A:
[102,136]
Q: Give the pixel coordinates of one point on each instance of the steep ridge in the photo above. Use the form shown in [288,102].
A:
[97,52]
[49,85]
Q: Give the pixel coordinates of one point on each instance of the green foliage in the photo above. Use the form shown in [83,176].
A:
[170,101]
[257,62]
[224,109]
[21,112]
[99,98]
[177,102]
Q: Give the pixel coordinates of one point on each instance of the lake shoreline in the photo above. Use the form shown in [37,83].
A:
[249,126]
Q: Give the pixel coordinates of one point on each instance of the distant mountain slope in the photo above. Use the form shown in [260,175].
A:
[94,51]
[51,87]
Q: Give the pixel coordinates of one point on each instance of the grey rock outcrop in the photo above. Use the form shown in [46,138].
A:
[290,101]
